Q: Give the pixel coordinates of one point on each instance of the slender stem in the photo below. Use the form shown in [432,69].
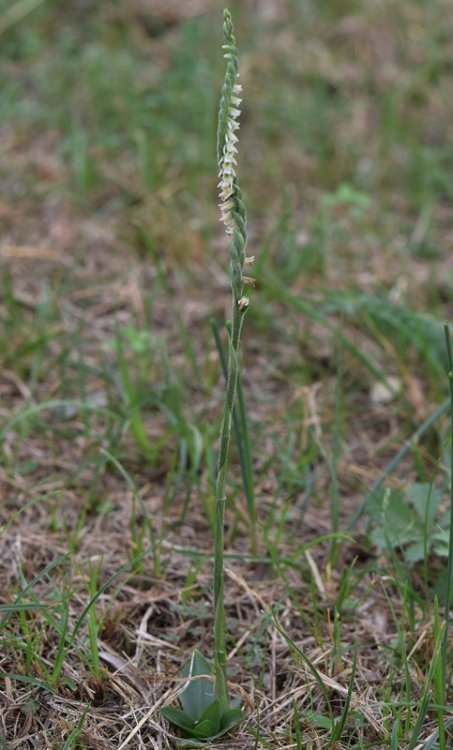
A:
[240,429]
[224,454]
[448,596]
[248,467]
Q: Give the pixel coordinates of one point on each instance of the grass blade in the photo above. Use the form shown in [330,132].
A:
[339,727]
[30,586]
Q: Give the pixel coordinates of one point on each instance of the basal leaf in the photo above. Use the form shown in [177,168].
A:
[205,730]
[177,717]
[202,731]
[230,719]
[192,743]
[212,714]
[199,693]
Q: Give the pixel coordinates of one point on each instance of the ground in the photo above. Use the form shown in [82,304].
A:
[113,275]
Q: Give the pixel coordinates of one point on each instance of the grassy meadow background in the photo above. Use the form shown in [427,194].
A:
[113,271]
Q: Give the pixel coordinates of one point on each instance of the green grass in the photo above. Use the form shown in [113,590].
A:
[112,269]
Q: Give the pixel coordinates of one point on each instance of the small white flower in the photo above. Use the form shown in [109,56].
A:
[227,164]
[243,303]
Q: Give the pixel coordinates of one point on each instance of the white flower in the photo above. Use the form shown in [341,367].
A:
[227,164]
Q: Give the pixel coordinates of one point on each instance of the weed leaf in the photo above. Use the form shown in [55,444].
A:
[426,499]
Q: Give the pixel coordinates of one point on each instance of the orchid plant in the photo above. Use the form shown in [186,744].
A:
[205,711]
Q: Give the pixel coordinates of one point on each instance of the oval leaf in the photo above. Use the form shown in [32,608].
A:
[202,731]
[177,717]
[199,693]
[212,714]
[230,719]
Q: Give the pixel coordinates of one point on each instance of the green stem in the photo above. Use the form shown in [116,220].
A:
[241,431]
[224,454]
[448,596]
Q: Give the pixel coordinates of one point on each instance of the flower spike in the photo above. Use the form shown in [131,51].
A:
[229,113]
